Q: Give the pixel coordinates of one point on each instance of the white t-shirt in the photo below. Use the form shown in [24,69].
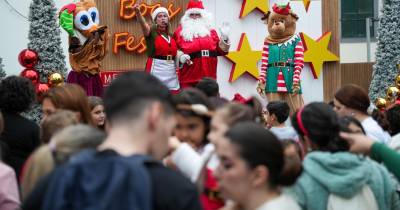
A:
[373,130]
[283,202]
[286,132]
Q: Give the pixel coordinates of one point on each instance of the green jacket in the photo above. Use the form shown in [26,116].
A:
[389,157]
[343,174]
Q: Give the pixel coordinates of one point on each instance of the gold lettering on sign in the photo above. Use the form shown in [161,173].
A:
[126,11]
[127,41]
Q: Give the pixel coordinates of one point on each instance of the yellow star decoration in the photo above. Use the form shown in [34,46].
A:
[250,5]
[306,4]
[316,52]
[245,60]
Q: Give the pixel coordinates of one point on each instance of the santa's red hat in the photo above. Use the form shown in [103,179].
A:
[198,4]
[194,6]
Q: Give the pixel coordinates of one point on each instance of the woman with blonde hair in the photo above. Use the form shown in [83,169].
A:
[62,146]
[70,97]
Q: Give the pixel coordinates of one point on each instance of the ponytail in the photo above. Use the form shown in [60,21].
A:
[292,169]
[259,147]
[320,124]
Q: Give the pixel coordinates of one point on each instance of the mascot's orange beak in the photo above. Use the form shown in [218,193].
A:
[93,28]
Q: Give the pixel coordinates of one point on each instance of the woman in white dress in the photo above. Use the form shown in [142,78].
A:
[351,100]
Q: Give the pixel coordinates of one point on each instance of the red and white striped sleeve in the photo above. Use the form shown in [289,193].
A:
[264,62]
[298,61]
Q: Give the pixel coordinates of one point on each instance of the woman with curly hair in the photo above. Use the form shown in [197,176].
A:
[21,136]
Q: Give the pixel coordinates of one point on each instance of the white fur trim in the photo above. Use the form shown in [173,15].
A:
[290,41]
[194,11]
[157,11]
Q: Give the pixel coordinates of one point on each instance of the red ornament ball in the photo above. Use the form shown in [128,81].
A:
[28,58]
[32,75]
[41,89]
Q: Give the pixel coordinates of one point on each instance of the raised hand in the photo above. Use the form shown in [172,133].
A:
[225,30]
[136,7]
[359,143]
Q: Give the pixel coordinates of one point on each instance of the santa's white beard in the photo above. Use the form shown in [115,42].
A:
[193,28]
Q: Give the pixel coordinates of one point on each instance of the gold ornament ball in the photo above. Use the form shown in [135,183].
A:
[380,103]
[397,81]
[55,79]
[392,94]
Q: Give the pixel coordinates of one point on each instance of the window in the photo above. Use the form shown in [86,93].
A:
[353,15]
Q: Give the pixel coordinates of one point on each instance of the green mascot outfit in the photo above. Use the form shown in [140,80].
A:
[282,58]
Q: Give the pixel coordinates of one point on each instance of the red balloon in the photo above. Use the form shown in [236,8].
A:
[32,75]
[28,58]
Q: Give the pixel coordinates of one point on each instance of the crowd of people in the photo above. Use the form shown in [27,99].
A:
[149,149]
[164,138]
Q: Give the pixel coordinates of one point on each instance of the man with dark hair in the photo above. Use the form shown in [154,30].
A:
[124,172]
[208,86]
[275,117]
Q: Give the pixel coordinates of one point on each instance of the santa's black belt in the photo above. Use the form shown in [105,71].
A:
[203,53]
[164,57]
[280,64]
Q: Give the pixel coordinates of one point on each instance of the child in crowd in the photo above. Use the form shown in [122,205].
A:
[210,87]
[200,167]
[192,125]
[97,111]
[276,114]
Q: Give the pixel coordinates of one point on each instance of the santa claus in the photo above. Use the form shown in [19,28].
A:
[199,45]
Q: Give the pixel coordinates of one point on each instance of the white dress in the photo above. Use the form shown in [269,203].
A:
[373,130]
[283,202]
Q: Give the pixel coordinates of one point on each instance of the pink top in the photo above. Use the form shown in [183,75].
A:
[9,195]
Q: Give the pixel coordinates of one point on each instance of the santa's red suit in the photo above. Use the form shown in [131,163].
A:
[201,42]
